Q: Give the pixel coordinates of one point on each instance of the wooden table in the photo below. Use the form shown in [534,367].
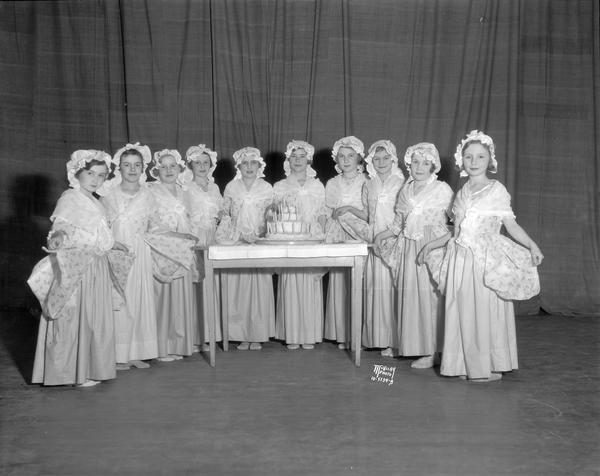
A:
[335,255]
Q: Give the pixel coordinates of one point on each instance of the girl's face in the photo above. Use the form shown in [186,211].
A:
[382,162]
[420,168]
[347,159]
[249,168]
[201,166]
[131,167]
[92,179]
[298,161]
[476,159]
[168,170]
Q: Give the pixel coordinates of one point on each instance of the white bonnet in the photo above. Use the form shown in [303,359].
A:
[79,159]
[192,155]
[310,152]
[144,151]
[426,150]
[248,153]
[158,156]
[475,136]
[351,142]
[390,148]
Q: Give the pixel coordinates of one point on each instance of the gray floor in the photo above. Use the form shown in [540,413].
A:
[310,412]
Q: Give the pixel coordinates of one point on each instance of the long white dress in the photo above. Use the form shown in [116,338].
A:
[248,295]
[481,271]
[205,206]
[380,323]
[420,218]
[135,314]
[300,292]
[76,340]
[339,192]
[173,261]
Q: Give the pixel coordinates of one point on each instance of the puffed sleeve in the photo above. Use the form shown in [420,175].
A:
[501,201]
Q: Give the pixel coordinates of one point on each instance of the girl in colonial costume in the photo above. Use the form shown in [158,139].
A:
[129,205]
[420,218]
[482,271]
[300,292]
[76,341]
[248,295]
[206,207]
[380,324]
[343,198]
[171,242]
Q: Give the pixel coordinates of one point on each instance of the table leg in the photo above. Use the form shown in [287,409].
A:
[225,308]
[356,286]
[349,292]
[209,306]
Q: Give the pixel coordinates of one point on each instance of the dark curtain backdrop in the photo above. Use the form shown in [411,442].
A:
[232,73]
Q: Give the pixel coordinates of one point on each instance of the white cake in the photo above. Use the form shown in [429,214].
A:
[286,224]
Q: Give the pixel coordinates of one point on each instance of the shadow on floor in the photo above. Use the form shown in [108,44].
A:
[18,334]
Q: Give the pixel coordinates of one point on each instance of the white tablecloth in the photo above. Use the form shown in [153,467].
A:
[253,251]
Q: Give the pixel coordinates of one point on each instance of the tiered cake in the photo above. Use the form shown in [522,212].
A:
[285,223]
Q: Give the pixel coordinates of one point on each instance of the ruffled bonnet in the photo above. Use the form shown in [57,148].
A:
[193,154]
[79,159]
[310,152]
[351,142]
[426,150]
[390,148]
[248,153]
[157,160]
[144,151]
[475,136]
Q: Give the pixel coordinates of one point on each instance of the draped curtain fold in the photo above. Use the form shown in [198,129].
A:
[232,73]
